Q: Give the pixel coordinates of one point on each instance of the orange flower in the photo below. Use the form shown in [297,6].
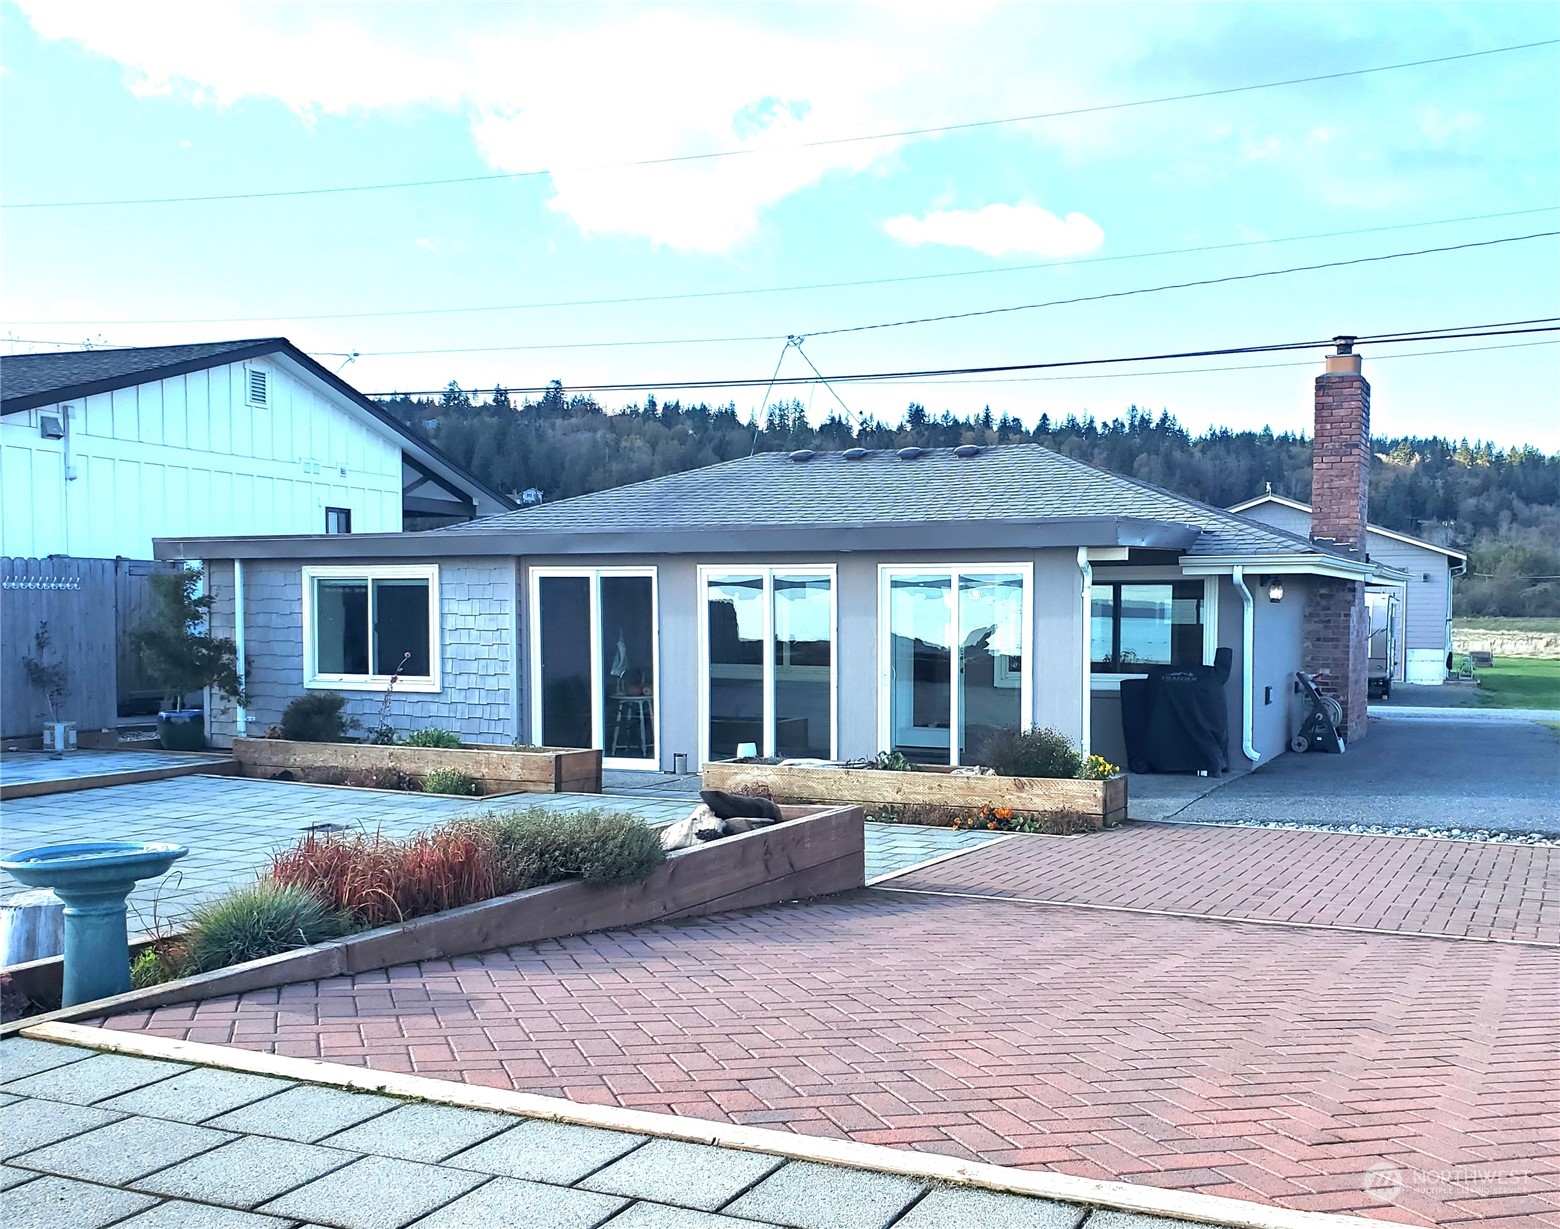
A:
[1004,812]
[992,825]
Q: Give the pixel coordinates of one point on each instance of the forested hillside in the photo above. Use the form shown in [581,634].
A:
[1502,505]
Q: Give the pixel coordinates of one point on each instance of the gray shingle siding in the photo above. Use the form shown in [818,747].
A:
[477,647]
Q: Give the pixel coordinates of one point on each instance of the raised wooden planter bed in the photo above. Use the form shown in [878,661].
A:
[499,770]
[817,851]
[1101,802]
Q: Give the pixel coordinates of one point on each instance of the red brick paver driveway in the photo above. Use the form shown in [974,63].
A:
[1464,889]
[1294,1066]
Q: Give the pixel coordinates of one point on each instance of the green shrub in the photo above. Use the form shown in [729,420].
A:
[434,737]
[156,964]
[450,781]
[891,761]
[249,923]
[537,846]
[1031,753]
[316,717]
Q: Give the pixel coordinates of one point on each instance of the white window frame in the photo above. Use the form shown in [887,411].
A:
[598,709]
[887,573]
[1149,576]
[716,571]
[314,680]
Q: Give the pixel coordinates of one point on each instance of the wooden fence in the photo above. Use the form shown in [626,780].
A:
[91,607]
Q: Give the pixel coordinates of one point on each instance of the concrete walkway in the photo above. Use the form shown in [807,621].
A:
[92,1140]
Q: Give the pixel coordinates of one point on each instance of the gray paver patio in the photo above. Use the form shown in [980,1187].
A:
[233,825]
[421,1132]
[31,767]
[305,1113]
[249,1178]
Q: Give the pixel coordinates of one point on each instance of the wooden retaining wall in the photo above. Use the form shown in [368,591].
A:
[1105,802]
[817,851]
[499,770]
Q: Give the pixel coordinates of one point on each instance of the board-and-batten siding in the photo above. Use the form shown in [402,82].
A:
[188,456]
[1426,602]
[477,652]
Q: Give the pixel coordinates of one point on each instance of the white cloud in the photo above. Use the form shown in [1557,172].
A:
[1001,230]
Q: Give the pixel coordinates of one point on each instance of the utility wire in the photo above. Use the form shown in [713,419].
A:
[792,289]
[899,134]
[987,311]
[797,342]
[1205,281]
[875,376]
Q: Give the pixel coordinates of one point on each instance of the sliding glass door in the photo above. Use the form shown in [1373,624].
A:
[767,660]
[953,647]
[593,662]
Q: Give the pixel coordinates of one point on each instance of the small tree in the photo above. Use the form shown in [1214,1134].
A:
[179,653]
[47,673]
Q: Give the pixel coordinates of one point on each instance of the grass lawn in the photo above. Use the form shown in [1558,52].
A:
[1495,623]
[1520,682]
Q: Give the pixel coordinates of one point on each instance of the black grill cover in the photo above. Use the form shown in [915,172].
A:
[1175,720]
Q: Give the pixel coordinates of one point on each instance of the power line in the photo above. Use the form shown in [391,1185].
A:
[792,289]
[1181,371]
[1206,281]
[899,134]
[877,376]
[987,311]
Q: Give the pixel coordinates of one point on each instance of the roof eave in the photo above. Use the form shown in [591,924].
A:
[885,537]
[1291,564]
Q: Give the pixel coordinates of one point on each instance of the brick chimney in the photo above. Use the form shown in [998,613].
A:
[1336,625]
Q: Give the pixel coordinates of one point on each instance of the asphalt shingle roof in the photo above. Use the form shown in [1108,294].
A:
[31,375]
[1012,482]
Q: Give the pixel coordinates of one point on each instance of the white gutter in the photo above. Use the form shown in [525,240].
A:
[241,714]
[1087,647]
[1248,643]
[1292,565]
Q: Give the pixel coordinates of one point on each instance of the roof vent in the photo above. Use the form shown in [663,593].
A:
[855,454]
[803,454]
[910,454]
[257,387]
[966,451]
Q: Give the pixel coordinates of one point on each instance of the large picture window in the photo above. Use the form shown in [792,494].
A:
[1138,624]
[953,646]
[363,625]
[768,659]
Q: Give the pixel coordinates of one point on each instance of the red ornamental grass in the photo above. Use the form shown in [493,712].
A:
[379,880]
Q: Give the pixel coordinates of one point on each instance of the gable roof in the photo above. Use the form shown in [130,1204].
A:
[1004,483]
[28,381]
[1297,506]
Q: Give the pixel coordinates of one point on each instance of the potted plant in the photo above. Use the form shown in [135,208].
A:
[183,657]
[48,674]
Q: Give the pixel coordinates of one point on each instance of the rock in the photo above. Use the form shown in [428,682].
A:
[32,926]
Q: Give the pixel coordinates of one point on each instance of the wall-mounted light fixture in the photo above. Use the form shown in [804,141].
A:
[1275,588]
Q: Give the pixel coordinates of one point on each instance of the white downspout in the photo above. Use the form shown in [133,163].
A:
[241,714]
[1248,640]
[1086,647]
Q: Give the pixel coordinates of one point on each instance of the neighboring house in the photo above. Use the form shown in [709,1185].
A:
[831,605]
[1411,620]
[101,451]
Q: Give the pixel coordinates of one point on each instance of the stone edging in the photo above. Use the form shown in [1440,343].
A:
[130,776]
[928,1166]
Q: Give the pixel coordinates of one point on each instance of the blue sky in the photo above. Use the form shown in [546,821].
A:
[114,101]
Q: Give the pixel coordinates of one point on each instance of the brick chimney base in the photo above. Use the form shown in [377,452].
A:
[1335,649]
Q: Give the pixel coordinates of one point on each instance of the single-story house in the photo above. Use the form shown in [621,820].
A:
[104,450]
[1410,620]
[831,604]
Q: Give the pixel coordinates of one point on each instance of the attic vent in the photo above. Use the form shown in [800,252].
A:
[910,454]
[966,451]
[803,454]
[258,390]
[855,454]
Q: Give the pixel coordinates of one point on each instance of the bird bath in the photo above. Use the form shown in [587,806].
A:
[93,878]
